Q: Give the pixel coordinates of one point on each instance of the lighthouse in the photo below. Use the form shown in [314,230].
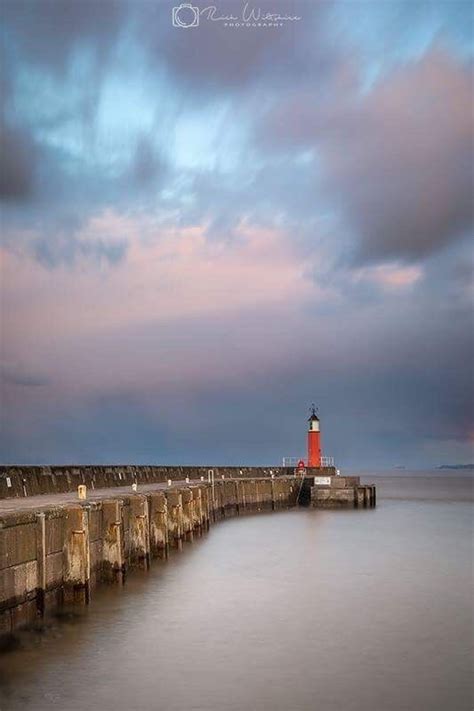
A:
[314,440]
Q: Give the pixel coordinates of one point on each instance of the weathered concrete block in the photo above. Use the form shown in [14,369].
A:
[54,570]
[17,544]
[113,554]
[5,622]
[95,522]
[188,513]
[158,508]
[54,533]
[197,509]
[76,555]
[175,517]
[206,503]
[96,557]
[139,531]
[24,614]
[40,561]
[325,497]
[17,581]
[251,493]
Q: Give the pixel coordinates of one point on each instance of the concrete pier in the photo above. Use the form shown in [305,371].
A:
[326,492]
[56,553]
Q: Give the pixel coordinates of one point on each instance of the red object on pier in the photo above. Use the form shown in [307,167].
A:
[314,440]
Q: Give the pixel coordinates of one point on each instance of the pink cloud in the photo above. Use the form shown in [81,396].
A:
[398,159]
[390,276]
[129,325]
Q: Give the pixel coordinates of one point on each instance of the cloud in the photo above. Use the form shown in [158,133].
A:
[13,374]
[68,241]
[389,276]
[214,58]
[68,249]
[146,166]
[18,163]
[397,160]
[48,32]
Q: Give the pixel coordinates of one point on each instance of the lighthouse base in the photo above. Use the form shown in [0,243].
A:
[336,492]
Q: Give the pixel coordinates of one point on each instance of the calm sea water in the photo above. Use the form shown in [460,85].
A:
[294,611]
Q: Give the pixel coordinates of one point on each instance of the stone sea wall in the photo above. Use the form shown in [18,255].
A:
[57,555]
[16,481]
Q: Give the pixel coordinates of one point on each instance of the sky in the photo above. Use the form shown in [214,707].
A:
[207,228]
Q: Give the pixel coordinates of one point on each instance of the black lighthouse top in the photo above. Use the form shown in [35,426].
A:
[313,417]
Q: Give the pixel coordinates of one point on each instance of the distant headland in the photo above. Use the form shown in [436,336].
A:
[456,466]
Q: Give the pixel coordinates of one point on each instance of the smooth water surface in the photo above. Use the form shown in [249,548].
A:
[302,610]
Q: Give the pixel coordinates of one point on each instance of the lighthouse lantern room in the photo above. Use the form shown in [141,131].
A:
[314,439]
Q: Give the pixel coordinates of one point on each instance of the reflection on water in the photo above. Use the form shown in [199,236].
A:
[290,611]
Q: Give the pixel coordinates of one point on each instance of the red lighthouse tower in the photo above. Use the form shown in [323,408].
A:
[314,440]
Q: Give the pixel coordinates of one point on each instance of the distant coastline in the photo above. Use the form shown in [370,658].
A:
[456,466]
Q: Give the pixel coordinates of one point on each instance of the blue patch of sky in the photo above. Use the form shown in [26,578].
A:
[212,138]
[387,33]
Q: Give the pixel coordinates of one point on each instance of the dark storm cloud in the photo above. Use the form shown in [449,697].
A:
[48,37]
[146,166]
[18,163]
[397,160]
[215,58]
[47,32]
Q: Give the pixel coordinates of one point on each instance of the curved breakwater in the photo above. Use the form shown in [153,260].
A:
[59,554]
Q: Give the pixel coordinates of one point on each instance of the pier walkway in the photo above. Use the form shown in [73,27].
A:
[47,501]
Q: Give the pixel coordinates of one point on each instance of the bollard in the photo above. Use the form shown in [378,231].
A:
[134,486]
[187,480]
[169,482]
[82,492]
